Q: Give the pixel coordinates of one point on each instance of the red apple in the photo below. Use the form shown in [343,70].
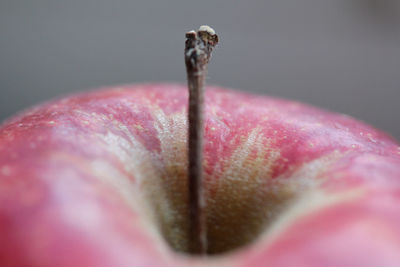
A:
[99,179]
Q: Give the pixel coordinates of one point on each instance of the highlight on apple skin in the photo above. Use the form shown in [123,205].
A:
[99,179]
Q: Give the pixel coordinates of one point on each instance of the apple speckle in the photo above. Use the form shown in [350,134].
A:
[5,170]
[370,138]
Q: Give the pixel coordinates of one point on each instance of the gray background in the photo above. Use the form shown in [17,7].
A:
[343,55]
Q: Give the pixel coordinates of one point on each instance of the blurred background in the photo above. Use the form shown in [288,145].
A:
[343,55]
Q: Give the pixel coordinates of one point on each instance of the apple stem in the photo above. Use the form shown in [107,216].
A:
[198,48]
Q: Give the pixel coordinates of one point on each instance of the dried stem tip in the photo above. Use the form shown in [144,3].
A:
[198,48]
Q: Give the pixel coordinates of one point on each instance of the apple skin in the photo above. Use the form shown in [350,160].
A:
[96,179]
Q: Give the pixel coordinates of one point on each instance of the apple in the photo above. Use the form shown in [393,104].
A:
[99,179]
